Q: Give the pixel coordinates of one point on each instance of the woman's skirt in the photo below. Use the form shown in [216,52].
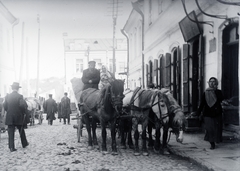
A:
[213,128]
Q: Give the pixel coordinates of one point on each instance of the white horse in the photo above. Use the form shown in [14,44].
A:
[33,108]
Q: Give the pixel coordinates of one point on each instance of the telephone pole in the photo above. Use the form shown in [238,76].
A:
[38,57]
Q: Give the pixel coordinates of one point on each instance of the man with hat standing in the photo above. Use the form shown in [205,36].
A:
[16,107]
[91,76]
[50,107]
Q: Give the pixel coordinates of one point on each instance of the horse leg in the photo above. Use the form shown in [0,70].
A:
[158,135]
[129,133]
[88,127]
[144,138]
[164,141]
[123,133]
[113,136]
[94,127]
[136,136]
[104,136]
[150,127]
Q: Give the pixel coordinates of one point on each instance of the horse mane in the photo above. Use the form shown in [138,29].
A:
[105,95]
[116,87]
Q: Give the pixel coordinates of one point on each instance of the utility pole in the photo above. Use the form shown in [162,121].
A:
[114,16]
[38,57]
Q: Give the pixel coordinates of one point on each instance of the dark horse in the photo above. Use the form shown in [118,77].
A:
[102,105]
[167,113]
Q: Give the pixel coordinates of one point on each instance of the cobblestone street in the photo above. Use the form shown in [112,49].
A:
[55,148]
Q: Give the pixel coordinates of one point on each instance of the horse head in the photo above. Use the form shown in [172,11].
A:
[176,116]
[114,94]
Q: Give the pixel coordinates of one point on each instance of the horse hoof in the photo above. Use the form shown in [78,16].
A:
[104,152]
[114,153]
[145,154]
[166,152]
[90,147]
[131,146]
[123,146]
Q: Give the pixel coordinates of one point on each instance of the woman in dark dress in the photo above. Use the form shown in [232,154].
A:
[211,109]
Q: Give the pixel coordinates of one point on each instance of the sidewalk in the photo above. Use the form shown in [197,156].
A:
[225,157]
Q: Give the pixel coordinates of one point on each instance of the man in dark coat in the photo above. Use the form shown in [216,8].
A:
[91,76]
[50,107]
[65,109]
[16,107]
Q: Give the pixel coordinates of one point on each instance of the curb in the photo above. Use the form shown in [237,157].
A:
[196,161]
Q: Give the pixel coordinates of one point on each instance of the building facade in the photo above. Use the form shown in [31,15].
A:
[185,43]
[7,69]
[79,51]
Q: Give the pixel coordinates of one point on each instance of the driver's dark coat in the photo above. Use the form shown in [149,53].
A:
[93,75]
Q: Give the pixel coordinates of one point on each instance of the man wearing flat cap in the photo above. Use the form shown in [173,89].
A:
[50,107]
[91,76]
[16,107]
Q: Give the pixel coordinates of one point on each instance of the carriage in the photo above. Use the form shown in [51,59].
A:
[134,106]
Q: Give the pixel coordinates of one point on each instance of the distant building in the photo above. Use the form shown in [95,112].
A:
[7,70]
[79,51]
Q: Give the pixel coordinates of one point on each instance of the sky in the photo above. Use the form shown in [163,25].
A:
[77,18]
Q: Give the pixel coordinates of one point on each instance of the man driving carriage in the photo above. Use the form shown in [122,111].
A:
[91,76]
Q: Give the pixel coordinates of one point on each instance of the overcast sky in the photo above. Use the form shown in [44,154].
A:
[77,18]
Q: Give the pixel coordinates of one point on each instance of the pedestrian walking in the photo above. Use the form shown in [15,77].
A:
[91,76]
[59,111]
[15,107]
[65,108]
[105,77]
[211,109]
[50,107]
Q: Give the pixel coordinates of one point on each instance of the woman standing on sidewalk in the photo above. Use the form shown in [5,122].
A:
[211,108]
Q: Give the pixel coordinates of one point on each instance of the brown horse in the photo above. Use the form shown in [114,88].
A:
[103,105]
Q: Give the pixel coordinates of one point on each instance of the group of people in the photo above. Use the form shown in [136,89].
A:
[94,78]
[210,109]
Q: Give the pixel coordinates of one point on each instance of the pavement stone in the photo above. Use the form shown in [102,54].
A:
[225,157]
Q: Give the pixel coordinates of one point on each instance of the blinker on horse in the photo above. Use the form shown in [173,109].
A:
[103,105]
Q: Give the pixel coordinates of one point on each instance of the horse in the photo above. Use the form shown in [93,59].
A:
[33,110]
[164,106]
[173,118]
[103,105]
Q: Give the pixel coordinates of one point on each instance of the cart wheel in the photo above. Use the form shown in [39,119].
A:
[79,129]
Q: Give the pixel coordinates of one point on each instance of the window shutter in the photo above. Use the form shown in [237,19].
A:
[185,78]
[178,76]
[201,68]
[155,71]
[168,71]
[162,72]
[147,74]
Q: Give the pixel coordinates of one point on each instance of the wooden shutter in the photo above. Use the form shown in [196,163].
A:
[162,72]
[201,68]
[185,78]
[155,70]
[178,76]
[168,71]
[147,74]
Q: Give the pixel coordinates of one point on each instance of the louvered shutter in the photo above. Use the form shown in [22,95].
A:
[155,70]
[185,78]
[168,71]
[147,74]
[201,68]
[178,76]
[162,72]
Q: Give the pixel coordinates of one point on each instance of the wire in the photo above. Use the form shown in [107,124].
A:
[201,22]
[210,15]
